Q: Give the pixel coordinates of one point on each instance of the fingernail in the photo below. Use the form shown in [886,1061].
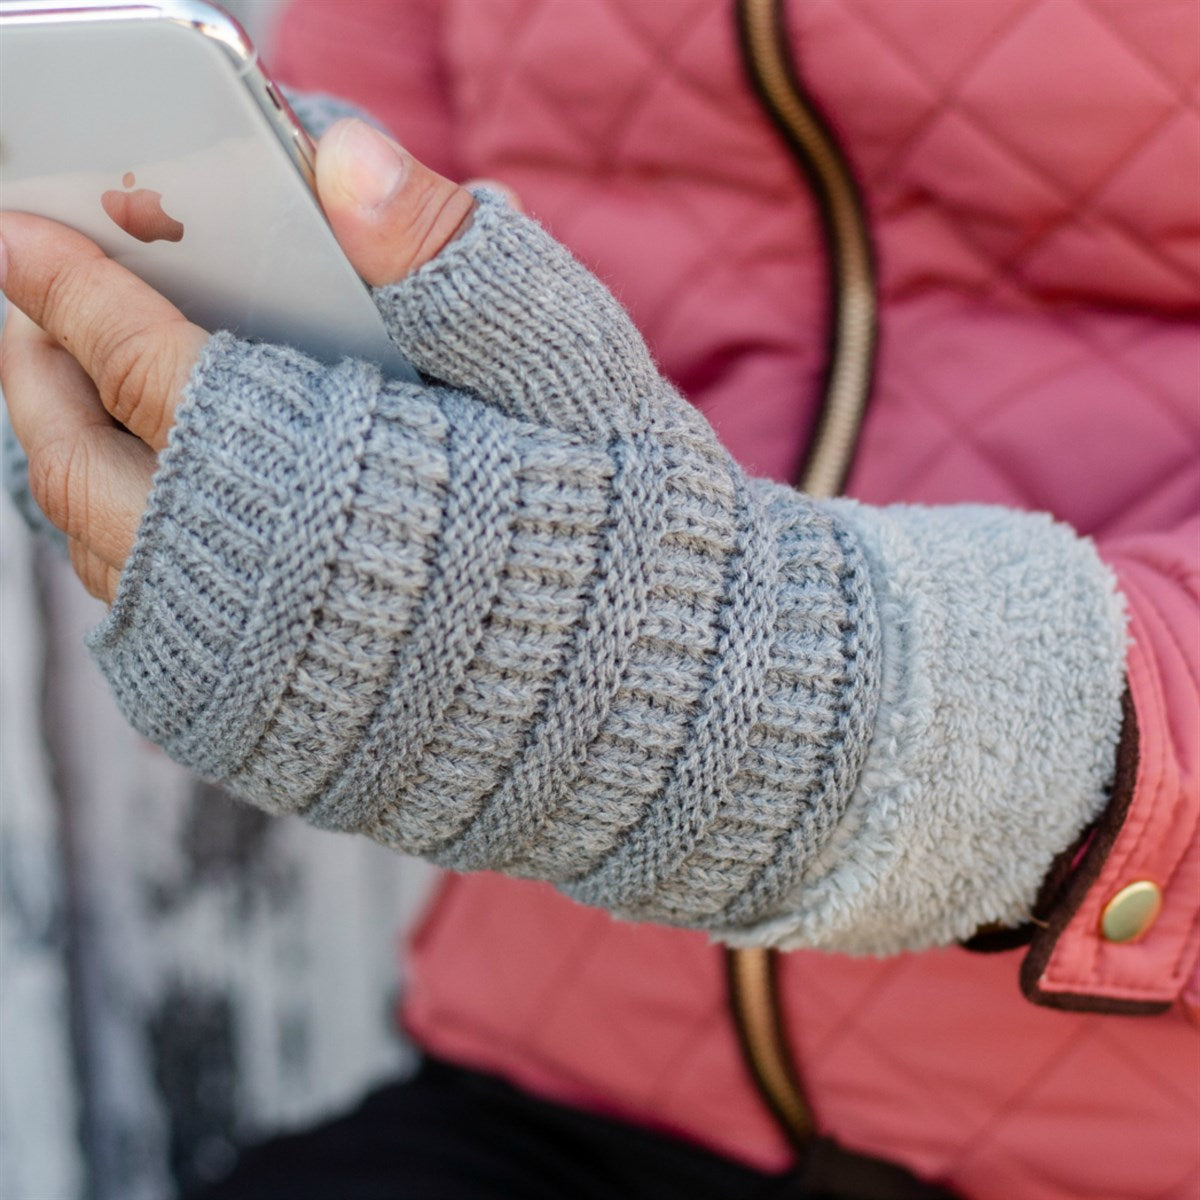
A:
[371,167]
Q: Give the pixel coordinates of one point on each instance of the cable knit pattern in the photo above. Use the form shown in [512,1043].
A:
[540,621]
[474,543]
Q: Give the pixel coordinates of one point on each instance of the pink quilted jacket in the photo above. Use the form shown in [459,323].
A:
[1031,173]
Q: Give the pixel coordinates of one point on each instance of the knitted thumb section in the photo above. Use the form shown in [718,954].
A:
[507,313]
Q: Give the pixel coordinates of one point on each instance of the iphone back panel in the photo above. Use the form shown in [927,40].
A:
[150,128]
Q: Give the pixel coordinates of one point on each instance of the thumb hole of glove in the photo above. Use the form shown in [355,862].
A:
[506,313]
[494,185]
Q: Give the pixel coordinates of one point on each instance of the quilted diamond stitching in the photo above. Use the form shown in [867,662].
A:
[1085,210]
[1184,93]
[971,431]
[972,1145]
[857,1032]
[851,1016]
[485,91]
[667,1084]
[1181,410]
[1006,273]
[1073,206]
[1101,1174]
[1125,200]
[663,62]
[944,98]
[1138,1060]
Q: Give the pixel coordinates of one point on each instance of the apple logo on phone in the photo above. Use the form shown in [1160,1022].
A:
[140,213]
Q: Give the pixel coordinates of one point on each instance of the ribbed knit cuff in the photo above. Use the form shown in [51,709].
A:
[235,549]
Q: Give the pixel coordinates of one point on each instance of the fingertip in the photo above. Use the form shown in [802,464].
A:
[389,212]
[359,166]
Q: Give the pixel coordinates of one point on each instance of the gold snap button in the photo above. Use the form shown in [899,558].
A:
[1131,912]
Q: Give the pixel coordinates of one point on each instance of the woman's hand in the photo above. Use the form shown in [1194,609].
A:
[93,361]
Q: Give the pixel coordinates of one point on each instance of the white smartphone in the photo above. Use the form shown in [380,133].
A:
[150,127]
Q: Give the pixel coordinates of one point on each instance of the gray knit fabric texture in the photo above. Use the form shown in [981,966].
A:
[537,620]
[555,632]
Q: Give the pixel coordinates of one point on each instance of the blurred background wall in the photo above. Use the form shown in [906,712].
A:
[178,973]
[258,17]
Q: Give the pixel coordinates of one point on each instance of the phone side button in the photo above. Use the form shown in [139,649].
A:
[305,147]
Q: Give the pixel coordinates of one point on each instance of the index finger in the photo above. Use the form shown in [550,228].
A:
[138,348]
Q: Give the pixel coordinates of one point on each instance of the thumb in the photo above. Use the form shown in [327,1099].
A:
[390,213]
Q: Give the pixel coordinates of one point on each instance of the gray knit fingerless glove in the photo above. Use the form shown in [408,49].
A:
[565,650]
[538,621]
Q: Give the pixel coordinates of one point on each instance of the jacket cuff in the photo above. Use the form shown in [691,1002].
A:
[1003,661]
[1147,834]
[1067,888]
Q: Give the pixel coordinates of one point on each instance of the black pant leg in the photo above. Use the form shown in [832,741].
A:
[451,1134]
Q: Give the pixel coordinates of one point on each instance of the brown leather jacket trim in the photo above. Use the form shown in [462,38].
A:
[997,939]
[1069,893]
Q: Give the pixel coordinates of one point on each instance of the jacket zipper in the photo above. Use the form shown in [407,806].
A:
[853,325]
[853,303]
